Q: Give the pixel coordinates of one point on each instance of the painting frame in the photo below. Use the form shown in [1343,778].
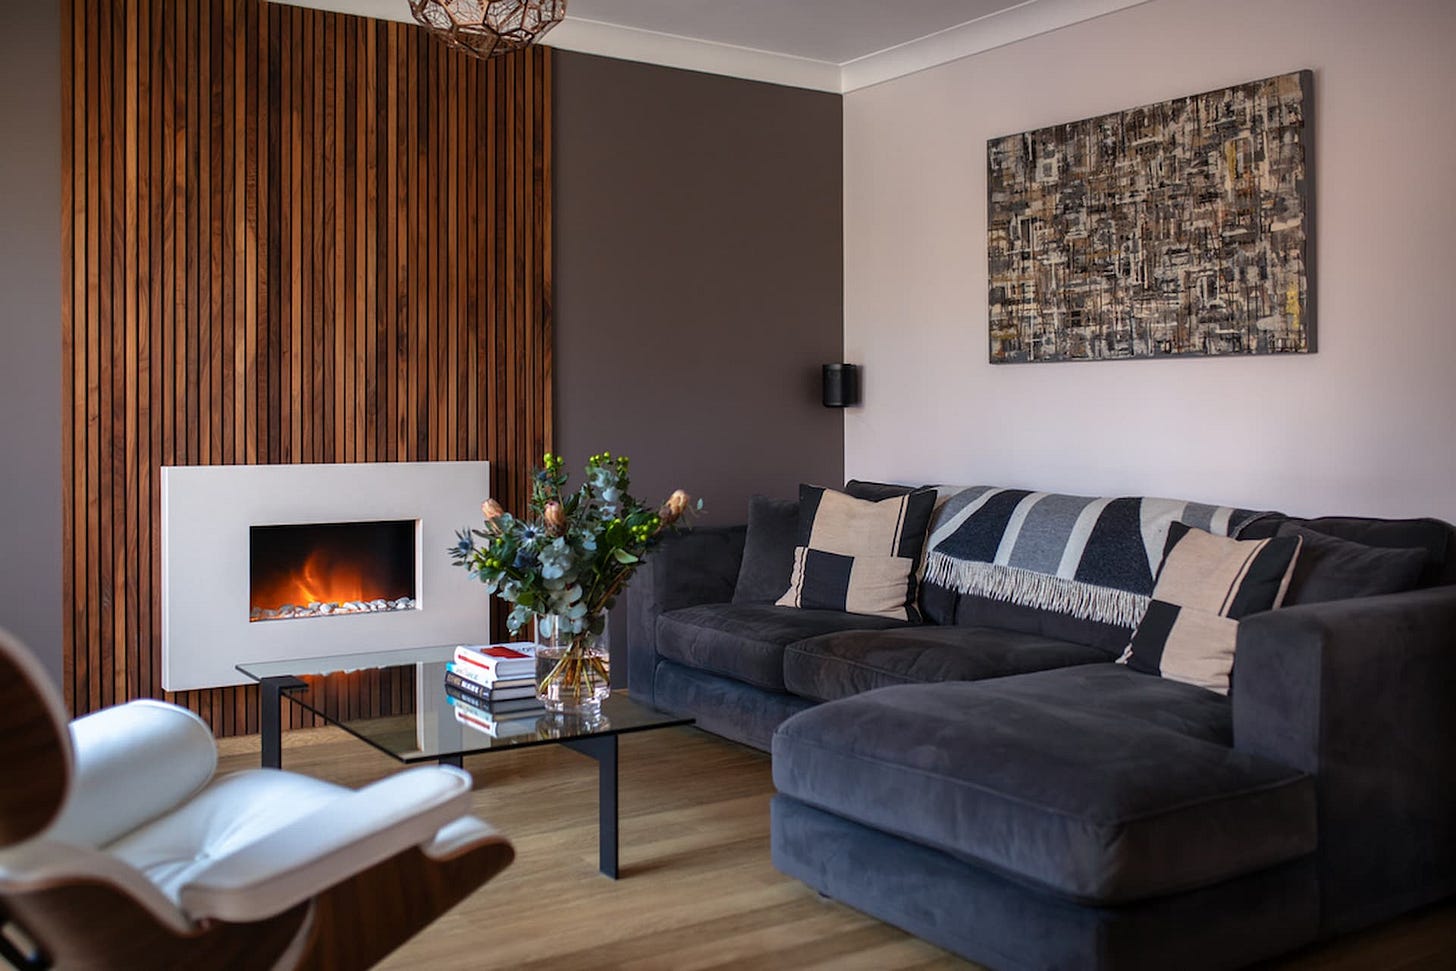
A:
[1177,229]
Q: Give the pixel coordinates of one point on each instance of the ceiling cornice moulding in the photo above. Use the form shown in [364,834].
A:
[1004,27]
[378,9]
[1028,19]
[692,54]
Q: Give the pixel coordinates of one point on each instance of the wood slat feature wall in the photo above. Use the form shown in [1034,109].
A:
[290,236]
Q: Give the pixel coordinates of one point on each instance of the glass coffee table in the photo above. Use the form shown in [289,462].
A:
[414,720]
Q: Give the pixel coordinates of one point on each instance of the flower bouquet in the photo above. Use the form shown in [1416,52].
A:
[563,566]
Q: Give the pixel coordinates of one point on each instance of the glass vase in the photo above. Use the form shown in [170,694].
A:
[573,672]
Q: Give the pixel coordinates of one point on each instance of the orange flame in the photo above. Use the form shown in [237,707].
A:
[324,577]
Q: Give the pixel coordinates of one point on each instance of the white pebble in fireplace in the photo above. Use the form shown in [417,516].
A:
[277,562]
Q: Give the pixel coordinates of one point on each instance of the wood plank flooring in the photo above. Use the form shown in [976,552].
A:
[697,888]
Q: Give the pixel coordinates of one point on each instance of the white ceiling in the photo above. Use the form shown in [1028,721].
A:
[828,45]
[820,30]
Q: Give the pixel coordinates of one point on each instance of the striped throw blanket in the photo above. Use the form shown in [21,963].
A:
[1093,559]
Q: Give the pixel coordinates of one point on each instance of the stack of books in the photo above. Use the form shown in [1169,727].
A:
[492,686]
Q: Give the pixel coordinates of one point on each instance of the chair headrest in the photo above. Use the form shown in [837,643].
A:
[35,744]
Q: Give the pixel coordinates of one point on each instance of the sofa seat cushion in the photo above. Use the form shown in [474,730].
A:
[838,665]
[1018,775]
[1105,690]
[746,641]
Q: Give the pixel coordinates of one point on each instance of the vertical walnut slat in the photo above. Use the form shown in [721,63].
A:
[290,236]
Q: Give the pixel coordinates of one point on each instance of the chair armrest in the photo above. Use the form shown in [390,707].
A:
[1357,693]
[460,837]
[335,842]
[133,762]
[695,566]
[38,865]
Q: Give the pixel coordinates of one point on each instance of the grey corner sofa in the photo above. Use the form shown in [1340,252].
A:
[988,780]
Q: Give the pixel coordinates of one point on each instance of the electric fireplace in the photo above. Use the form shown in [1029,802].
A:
[284,562]
[330,569]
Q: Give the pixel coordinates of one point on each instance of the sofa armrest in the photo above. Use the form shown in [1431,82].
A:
[1357,693]
[695,566]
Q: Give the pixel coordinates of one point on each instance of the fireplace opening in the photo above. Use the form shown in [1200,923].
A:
[331,569]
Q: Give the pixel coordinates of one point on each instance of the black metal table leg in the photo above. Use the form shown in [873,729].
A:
[270,717]
[604,749]
[456,760]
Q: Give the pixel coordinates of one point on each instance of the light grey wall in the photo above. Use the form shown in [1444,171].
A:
[30,337]
[1363,427]
[698,280]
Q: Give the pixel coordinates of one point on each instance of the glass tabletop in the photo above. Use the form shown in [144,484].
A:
[411,717]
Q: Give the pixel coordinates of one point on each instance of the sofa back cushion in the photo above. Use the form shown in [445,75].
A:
[974,611]
[1330,568]
[875,491]
[1431,535]
[768,550]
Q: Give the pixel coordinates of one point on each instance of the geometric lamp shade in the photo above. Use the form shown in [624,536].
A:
[486,28]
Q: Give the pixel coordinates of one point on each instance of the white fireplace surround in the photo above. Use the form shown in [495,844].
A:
[207,512]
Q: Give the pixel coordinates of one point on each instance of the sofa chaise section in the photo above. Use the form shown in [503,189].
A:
[988,918]
[1322,787]
[1080,801]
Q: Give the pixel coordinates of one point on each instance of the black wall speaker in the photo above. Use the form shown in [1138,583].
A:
[841,385]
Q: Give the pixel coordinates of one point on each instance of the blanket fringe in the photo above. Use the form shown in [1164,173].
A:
[1010,584]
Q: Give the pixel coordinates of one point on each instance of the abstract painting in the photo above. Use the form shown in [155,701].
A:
[1177,229]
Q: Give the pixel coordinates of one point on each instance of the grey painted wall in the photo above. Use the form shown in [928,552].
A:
[698,280]
[30,338]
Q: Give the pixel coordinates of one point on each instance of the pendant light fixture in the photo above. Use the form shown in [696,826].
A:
[486,28]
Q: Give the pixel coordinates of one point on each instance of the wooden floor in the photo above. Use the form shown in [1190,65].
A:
[697,887]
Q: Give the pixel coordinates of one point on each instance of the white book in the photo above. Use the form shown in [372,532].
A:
[496,728]
[487,663]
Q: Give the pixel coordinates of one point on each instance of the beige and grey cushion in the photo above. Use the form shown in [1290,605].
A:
[858,555]
[1205,585]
